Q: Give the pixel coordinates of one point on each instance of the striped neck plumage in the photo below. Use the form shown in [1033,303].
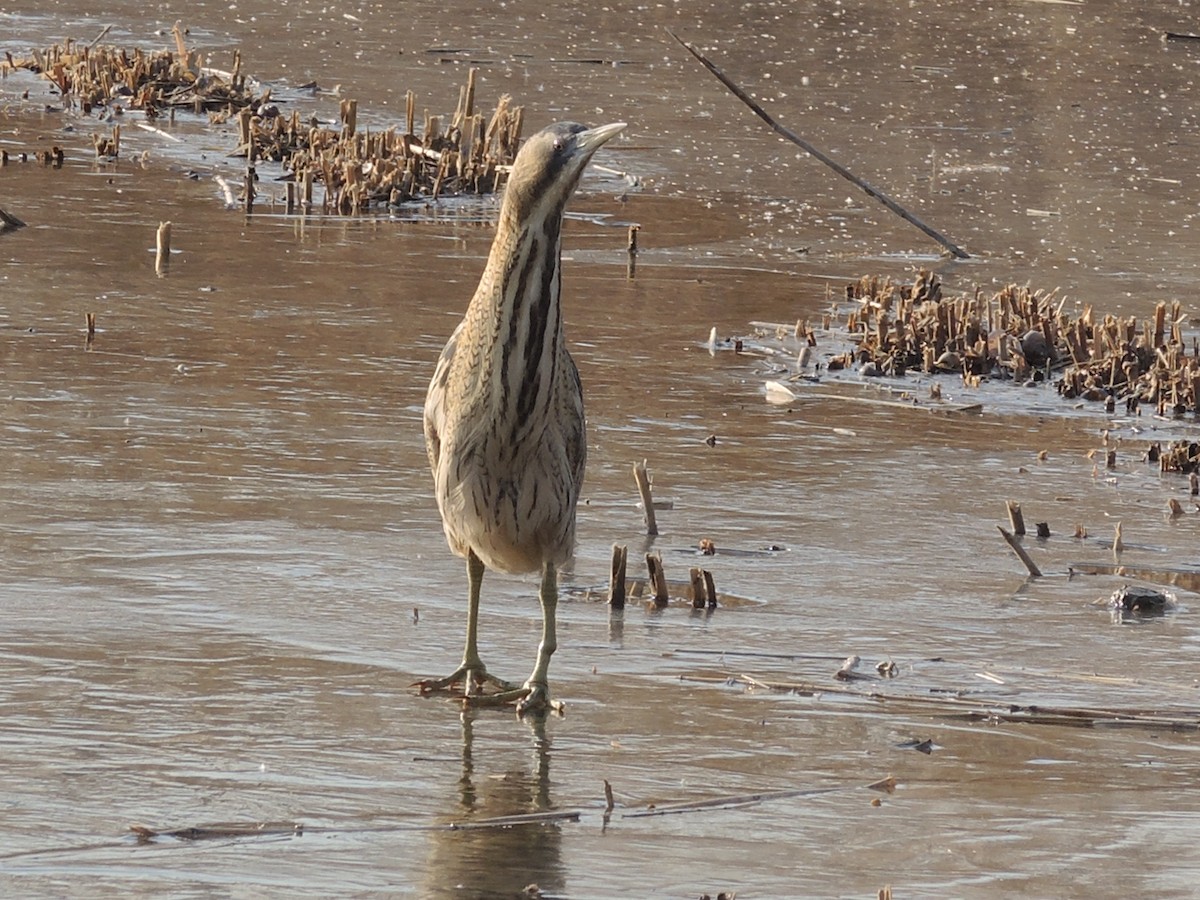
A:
[520,295]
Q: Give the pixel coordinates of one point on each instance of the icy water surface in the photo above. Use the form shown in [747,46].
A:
[221,566]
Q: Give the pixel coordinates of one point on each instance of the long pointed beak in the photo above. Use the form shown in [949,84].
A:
[588,142]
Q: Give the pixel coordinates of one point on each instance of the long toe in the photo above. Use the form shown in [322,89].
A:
[434,685]
[473,680]
[530,699]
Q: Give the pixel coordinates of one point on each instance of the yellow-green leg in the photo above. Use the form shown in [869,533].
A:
[472,673]
[537,687]
[534,695]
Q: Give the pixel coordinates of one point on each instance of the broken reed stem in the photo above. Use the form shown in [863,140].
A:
[642,478]
[1020,551]
[699,592]
[616,580]
[1015,518]
[248,186]
[162,247]
[609,802]
[790,135]
[658,578]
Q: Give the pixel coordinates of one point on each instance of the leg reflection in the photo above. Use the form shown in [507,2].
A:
[500,776]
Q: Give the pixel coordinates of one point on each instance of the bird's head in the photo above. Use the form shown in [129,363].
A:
[548,167]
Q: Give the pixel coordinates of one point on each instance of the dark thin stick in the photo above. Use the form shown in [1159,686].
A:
[100,36]
[982,707]
[759,655]
[227,830]
[731,801]
[231,831]
[832,163]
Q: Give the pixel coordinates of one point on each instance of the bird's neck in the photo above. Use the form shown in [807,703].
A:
[517,304]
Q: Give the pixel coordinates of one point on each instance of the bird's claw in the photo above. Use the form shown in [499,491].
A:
[537,701]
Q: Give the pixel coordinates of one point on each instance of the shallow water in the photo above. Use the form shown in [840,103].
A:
[222,568]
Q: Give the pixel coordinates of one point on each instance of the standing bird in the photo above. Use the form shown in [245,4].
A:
[504,424]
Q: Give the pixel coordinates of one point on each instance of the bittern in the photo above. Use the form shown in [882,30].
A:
[504,424]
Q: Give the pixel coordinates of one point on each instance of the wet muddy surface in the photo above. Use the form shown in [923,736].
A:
[221,565]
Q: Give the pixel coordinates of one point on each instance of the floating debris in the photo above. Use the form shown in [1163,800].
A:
[9,222]
[1135,600]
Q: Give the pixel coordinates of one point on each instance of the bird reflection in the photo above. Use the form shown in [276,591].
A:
[497,862]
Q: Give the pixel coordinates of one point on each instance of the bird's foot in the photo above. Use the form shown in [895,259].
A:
[530,700]
[537,700]
[474,679]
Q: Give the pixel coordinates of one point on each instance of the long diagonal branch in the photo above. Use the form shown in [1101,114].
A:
[873,191]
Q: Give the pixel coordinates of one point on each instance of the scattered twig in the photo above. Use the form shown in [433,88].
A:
[755,654]
[259,829]
[733,800]
[221,831]
[982,708]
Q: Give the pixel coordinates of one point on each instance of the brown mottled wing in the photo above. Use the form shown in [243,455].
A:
[435,401]
[575,435]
